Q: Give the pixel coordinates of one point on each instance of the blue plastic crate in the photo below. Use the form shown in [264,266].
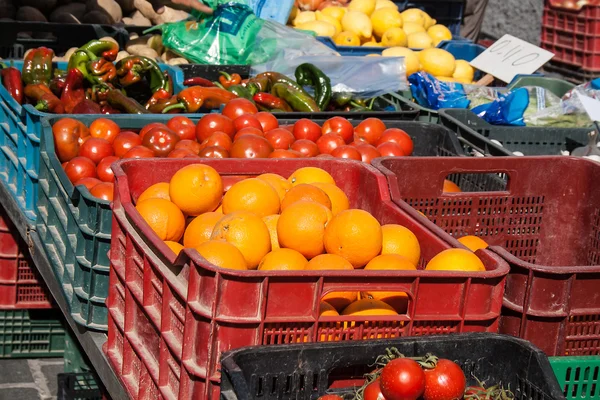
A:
[462,49]
[20,142]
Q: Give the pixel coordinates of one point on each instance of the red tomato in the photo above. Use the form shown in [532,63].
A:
[347,151]
[280,138]
[279,153]
[183,127]
[251,146]
[369,130]
[339,126]
[161,141]
[88,182]
[103,191]
[214,152]
[220,139]
[103,128]
[67,133]
[248,131]
[151,126]
[444,382]
[182,153]
[399,137]
[104,172]
[307,129]
[288,128]
[390,149]
[247,121]
[358,142]
[267,120]
[367,152]
[96,149]
[330,397]
[329,142]
[190,145]
[212,123]
[402,379]
[238,107]
[79,168]
[373,391]
[139,152]
[125,141]
[324,156]
[308,148]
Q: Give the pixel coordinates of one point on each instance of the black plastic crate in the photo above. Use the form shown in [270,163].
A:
[78,386]
[306,371]
[476,134]
[445,12]
[18,37]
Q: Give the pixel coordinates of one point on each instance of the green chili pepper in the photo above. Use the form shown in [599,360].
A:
[342,98]
[298,100]
[132,69]
[37,66]
[276,77]
[241,91]
[92,51]
[309,75]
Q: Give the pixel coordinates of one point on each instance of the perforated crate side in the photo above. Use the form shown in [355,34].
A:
[31,334]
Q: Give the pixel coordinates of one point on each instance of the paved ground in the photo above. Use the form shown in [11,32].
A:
[29,379]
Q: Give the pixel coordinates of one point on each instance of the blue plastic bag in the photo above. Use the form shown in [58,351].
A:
[508,109]
[435,94]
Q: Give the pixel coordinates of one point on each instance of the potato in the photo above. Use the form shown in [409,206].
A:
[70,52]
[30,14]
[168,55]
[155,42]
[112,8]
[109,39]
[145,8]
[139,19]
[170,15]
[178,61]
[121,55]
[142,50]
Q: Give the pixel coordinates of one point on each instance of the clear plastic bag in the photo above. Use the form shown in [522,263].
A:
[363,77]
[234,35]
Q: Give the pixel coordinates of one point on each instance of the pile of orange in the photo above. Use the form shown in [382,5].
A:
[304,222]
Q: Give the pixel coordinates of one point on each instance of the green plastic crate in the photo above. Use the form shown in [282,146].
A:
[31,334]
[75,360]
[578,376]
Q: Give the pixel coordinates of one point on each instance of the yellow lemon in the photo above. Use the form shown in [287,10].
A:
[346,39]
[429,22]
[437,62]
[411,27]
[445,78]
[371,44]
[413,15]
[384,19]
[321,28]
[303,17]
[293,15]
[439,33]
[364,6]
[463,72]
[411,60]
[419,40]
[358,23]
[335,12]
[394,37]
[327,18]
[385,4]
[373,55]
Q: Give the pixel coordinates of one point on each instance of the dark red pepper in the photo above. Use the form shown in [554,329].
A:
[73,93]
[11,79]
[108,109]
[101,71]
[164,103]
[45,100]
[162,93]
[37,66]
[86,107]
[197,81]
[271,102]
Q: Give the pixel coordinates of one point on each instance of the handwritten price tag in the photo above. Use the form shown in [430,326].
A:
[511,56]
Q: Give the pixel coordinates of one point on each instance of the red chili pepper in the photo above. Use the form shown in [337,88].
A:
[229,80]
[44,98]
[86,107]
[197,81]
[73,92]
[11,79]
[160,94]
[108,109]
[271,102]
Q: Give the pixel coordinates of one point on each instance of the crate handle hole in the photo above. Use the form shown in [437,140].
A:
[475,182]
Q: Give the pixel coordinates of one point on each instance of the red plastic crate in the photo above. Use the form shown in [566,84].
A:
[572,35]
[226,309]
[545,223]
[20,284]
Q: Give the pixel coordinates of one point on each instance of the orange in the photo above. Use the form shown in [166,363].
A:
[327,310]
[176,247]
[196,189]
[305,192]
[200,229]
[455,260]
[247,232]
[451,187]
[301,227]
[271,222]
[369,307]
[310,175]
[339,200]
[163,216]
[156,191]
[219,209]
[283,260]
[338,300]
[252,195]
[355,235]
[473,243]
[279,183]
[398,300]
[222,254]
[398,239]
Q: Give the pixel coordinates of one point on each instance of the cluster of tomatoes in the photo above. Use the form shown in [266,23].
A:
[427,378]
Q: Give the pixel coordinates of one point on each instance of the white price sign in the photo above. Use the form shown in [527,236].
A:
[511,56]
[591,106]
